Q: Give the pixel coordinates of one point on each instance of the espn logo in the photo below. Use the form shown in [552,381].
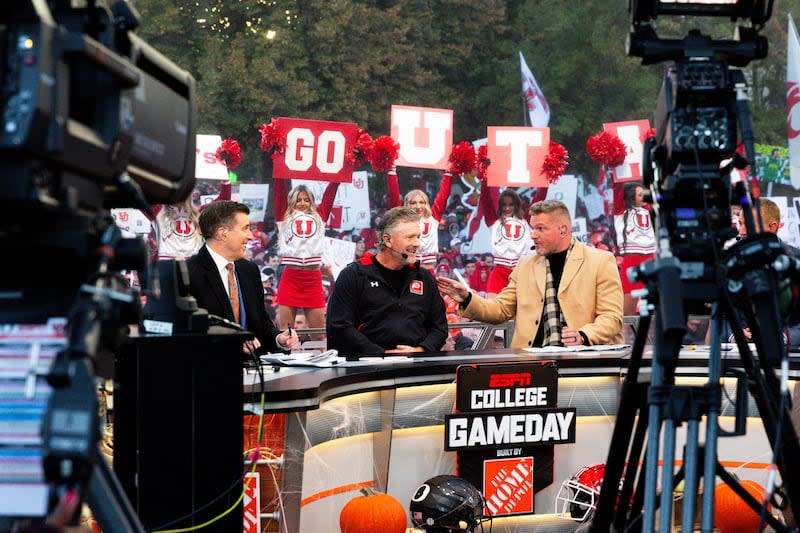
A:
[509,380]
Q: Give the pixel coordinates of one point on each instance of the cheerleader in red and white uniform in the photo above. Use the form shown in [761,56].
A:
[510,232]
[636,239]
[301,243]
[430,216]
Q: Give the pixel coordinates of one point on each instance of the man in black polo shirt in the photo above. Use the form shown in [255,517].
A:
[386,303]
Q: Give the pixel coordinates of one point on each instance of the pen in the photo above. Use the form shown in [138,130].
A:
[289,328]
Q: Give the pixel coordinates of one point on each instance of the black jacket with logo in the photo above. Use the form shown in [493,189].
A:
[367,316]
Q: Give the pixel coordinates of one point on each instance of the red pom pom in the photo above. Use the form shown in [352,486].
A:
[358,154]
[462,158]
[482,161]
[273,138]
[229,153]
[651,132]
[383,153]
[556,162]
[606,149]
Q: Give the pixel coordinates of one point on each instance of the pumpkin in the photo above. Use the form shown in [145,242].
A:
[373,512]
[731,513]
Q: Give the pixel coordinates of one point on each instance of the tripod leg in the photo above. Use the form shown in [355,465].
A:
[765,390]
[108,501]
[630,403]
[691,456]
[667,476]
[657,378]
[630,506]
[712,420]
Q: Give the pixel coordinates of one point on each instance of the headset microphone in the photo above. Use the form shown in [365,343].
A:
[401,254]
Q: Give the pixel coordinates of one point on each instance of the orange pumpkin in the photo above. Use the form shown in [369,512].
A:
[373,512]
[731,513]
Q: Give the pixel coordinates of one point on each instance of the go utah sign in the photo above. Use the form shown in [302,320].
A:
[318,150]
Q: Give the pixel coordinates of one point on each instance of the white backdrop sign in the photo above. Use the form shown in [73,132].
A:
[131,220]
[566,190]
[254,196]
[206,164]
[338,254]
[351,205]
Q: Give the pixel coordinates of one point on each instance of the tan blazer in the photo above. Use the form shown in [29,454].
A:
[590,296]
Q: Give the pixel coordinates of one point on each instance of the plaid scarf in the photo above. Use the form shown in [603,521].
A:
[553,318]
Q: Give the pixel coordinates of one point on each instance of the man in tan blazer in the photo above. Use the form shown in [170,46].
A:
[586,299]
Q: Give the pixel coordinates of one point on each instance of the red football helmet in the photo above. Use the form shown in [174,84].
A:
[577,497]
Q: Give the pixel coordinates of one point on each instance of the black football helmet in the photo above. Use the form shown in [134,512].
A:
[447,504]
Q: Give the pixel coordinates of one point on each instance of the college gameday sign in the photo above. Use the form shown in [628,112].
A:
[316,150]
[631,134]
[504,430]
[517,155]
[425,136]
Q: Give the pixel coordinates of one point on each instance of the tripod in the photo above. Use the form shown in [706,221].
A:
[70,429]
[668,405]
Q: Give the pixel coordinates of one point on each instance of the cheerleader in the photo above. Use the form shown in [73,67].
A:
[301,242]
[510,233]
[430,216]
[178,229]
[636,239]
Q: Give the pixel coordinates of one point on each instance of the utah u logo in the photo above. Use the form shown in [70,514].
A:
[183,227]
[512,230]
[304,226]
[643,220]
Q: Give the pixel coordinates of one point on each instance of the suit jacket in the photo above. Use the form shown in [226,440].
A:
[590,296]
[206,286]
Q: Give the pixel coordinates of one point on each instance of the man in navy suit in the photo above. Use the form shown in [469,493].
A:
[226,284]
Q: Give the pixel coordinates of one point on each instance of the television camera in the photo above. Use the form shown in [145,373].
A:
[701,118]
[93,118]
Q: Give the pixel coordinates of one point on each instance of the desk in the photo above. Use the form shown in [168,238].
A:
[381,422]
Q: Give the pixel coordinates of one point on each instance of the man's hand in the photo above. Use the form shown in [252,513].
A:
[404,348]
[452,288]
[571,337]
[251,346]
[288,338]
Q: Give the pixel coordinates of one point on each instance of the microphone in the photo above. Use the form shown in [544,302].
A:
[401,254]
[220,321]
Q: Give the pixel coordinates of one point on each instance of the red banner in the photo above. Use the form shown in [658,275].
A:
[251,503]
[631,133]
[316,150]
[517,155]
[425,136]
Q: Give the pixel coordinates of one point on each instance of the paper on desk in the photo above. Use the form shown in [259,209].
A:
[376,360]
[321,360]
[568,349]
